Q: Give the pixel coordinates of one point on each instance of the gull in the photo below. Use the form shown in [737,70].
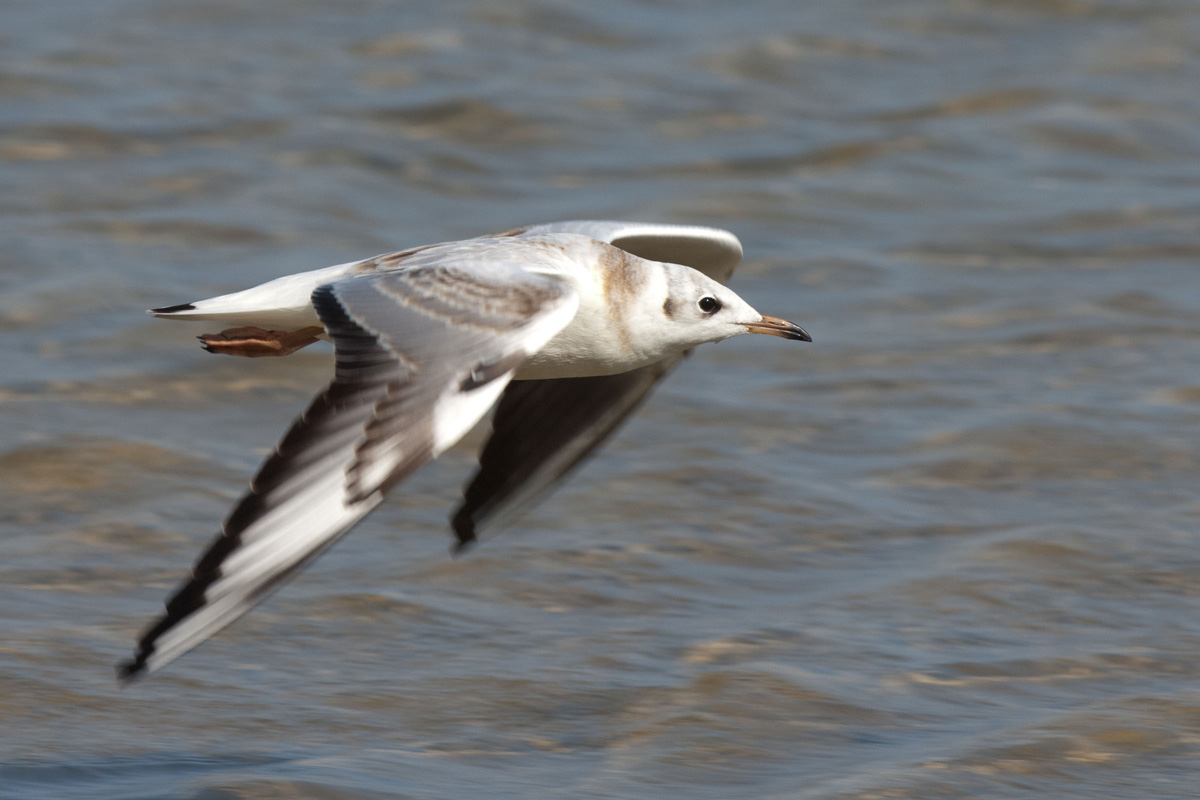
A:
[564,327]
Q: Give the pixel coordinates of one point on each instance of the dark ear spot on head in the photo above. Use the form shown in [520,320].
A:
[669,308]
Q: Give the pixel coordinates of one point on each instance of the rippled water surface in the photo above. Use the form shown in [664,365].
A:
[948,550]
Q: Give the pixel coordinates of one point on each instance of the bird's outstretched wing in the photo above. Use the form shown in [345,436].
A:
[713,251]
[543,428]
[421,354]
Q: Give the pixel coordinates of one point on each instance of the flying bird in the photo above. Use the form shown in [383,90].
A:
[564,327]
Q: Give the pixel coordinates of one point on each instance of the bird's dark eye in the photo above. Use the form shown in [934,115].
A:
[709,304]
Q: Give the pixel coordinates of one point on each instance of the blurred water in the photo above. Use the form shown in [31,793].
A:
[948,550]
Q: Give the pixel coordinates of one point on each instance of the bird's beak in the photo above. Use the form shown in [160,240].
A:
[774,326]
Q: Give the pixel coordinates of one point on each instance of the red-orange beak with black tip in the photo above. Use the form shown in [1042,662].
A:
[774,326]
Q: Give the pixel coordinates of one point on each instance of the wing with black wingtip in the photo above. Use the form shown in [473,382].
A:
[544,428]
[421,355]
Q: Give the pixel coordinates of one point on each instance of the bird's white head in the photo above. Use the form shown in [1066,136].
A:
[634,312]
[699,309]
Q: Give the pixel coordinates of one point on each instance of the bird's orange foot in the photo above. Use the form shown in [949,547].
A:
[252,342]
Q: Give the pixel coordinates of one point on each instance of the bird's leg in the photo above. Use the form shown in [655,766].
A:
[254,342]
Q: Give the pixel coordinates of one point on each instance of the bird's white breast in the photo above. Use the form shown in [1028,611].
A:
[618,293]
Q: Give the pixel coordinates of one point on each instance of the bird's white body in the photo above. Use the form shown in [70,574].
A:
[593,342]
[587,316]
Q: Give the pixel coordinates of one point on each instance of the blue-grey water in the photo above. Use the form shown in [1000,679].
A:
[948,550]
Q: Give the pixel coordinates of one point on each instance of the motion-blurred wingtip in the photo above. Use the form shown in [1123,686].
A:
[130,671]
